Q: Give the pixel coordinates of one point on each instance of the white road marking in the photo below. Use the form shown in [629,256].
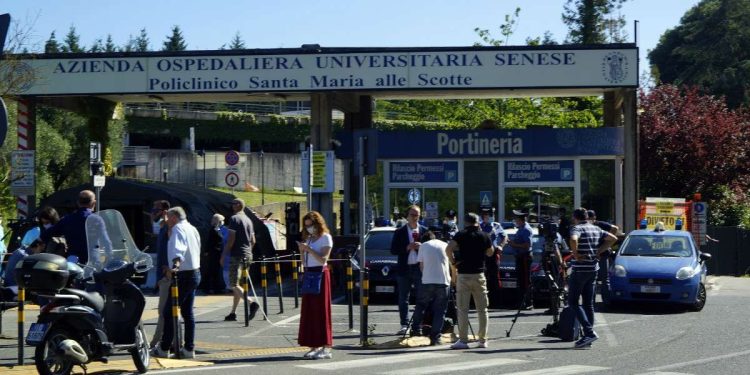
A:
[451,367]
[664,373]
[260,330]
[700,361]
[375,361]
[562,370]
[195,369]
[608,335]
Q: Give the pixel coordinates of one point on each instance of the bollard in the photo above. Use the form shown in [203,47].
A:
[350,292]
[295,280]
[365,296]
[21,301]
[245,287]
[279,285]
[264,284]
[174,292]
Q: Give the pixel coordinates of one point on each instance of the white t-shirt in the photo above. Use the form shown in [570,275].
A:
[412,259]
[324,241]
[432,256]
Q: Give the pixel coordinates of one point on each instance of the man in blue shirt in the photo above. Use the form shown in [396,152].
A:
[521,243]
[73,227]
[587,243]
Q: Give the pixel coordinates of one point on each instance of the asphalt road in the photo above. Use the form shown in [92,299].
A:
[636,340]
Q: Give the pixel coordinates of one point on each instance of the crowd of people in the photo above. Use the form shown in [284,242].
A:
[443,271]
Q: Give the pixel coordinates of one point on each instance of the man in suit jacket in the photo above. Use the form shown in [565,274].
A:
[405,244]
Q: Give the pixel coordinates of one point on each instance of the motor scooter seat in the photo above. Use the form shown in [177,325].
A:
[90,299]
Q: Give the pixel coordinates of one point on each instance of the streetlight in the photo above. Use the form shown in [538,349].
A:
[262,179]
[202,153]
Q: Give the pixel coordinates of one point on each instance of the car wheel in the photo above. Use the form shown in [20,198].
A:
[700,298]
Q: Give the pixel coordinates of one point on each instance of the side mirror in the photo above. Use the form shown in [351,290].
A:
[705,256]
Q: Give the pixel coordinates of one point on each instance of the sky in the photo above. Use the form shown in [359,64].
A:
[207,25]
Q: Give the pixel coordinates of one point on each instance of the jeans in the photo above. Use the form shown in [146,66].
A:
[413,276]
[468,285]
[435,297]
[581,284]
[187,282]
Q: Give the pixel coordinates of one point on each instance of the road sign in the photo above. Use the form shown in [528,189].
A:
[232,158]
[699,222]
[232,179]
[22,172]
[322,169]
[99,181]
[414,196]
[95,152]
[485,199]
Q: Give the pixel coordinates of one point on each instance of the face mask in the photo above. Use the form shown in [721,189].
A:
[311,230]
[47,226]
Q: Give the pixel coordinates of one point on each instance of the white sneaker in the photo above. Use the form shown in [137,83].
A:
[187,354]
[459,345]
[158,352]
[403,330]
[483,344]
[312,352]
[324,353]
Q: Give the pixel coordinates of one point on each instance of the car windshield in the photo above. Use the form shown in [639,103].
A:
[657,246]
[379,243]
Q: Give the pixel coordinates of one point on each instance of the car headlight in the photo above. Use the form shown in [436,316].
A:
[685,273]
[620,271]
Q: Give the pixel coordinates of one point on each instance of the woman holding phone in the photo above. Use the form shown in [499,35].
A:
[315,328]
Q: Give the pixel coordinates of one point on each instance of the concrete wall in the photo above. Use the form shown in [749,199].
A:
[282,171]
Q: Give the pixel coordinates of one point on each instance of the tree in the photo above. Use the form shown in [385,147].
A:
[51,45]
[109,45]
[71,42]
[175,42]
[141,42]
[237,42]
[506,30]
[97,46]
[593,21]
[710,48]
[691,142]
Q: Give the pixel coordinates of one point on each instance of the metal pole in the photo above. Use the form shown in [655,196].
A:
[264,284]
[310,177]
[350,290]
[21,298]
[176,316]
[98,191]
[362,284]
[204,169]
[295,279]
[279,285]
[262,180]
[245,287]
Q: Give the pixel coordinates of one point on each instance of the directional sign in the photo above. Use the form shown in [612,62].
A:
[232,179]
[485,199]
[414,196]
[322,171]
[95,152]
[232,158]
[700,215]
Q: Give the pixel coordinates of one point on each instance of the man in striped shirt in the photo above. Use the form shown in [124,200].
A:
[587,242]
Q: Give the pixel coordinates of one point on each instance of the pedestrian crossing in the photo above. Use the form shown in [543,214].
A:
[427,362]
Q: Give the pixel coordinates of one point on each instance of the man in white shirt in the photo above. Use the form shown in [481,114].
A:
[435,288]
[183,250]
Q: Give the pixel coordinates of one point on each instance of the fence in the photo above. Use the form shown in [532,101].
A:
[731,255]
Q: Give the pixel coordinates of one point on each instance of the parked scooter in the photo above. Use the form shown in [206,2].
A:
[78,327]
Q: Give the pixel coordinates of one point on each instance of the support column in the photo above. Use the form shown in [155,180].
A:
[361,119]
[613,107]
[321,130]
[26,131]
[630,166]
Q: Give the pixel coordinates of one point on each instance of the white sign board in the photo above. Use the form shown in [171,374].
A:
[323,174]
[99,181]
[22,172]
[699,222]
[346,69]
[431,210]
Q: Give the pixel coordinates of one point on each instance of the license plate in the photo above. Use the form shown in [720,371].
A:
[384,289]
[650,289]
[509,284]
[36,333]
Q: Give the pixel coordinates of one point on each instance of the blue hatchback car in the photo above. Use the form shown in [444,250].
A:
[663,266]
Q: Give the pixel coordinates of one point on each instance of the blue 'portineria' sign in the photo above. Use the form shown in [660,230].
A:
[424,172]
[539,171]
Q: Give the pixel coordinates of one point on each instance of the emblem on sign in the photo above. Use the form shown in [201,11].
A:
[615,67]
[414,196]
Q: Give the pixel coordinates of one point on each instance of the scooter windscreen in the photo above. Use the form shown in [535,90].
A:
[110,243]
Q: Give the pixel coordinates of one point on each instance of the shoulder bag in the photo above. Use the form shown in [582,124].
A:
[311,280]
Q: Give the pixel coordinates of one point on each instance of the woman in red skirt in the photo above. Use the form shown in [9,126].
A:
[315,318]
